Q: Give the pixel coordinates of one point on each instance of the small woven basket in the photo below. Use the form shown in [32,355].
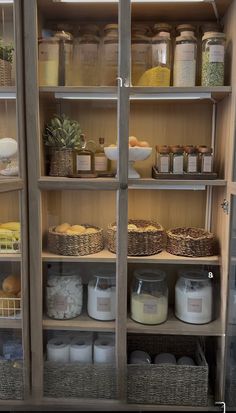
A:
[12,380]
[178,385]
[5,73]
[140,242]
[61,163]
[79,380]
[191,242]
[78,244]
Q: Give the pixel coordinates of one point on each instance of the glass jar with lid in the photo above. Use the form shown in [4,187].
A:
[140,52]
[48,61]
[102,296]
[109,60]
[193,297]
[161,54]
[163,159]
[211,27]
[186,29]
[86,57]
[177,161]
[185,60]
[64,295]
[213,59]
[191,159]
[205,159]
[149,297]
[65,57]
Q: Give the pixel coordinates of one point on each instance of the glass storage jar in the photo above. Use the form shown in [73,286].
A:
[48,65]
[161,54]
[186,30]
[205,157]
[86,57]
[193,297]
[213,59]
[191,159]
[109,60]
[102,296]
[185,60]
[65,57]
[149,297]
[163,159]
[64,295]
[177,161]
[140,52]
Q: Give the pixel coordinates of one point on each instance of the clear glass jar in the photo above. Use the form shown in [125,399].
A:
[109,62]
[186,29]
[64,295]
[163,159]
[86,57]
[185,61]
[211,27]
[140,52]
[177,161]
[65,57]
[102,296]
[149,297]
[193,297]
[205,159]
[48,61]
[161,54]
[191,159]
[213,59]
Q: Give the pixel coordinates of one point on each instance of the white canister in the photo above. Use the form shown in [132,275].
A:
[102,296]
[193,297]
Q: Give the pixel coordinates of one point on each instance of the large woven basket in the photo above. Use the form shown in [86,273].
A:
[5,73]
[231,385]
[61,163]
[191,242]
[79,380]
[12,380]
[139,242]
[82,244]
[166,383]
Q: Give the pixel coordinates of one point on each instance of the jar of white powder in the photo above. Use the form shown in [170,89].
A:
[102,296]
[193,297]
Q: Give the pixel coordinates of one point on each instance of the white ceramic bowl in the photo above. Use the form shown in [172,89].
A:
[8,148]
[135,154]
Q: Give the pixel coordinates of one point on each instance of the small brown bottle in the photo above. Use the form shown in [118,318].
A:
[101,163]
[84,159]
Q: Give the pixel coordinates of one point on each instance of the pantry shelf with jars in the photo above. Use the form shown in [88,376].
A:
[132,127]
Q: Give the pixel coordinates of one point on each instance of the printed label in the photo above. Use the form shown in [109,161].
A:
[207,164]
[178,164]
[100,163]
[192,163]
[88,54]
[216,54]
[111,54]
[83,162]
[150,307]
[60,303]
[194,305]
[48,51]
[140,54]
[164,164]
[103,304]
[185,73]
[159,53]
[184,52]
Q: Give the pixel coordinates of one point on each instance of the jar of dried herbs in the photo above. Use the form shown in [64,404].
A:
[177,164]
[205,159]
[163,159]
[191,159]
[213,59]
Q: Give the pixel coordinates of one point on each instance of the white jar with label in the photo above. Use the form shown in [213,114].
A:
[205,159]
[185,61]
[140,52]
[193,297]
[177,160]
[149,297]
[48,61]
[102,296]
[109,56]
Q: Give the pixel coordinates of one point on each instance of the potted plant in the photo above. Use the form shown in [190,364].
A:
[6,58]
[62,135]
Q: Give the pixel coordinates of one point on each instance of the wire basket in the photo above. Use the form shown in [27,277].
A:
[10,308]
[9,242]
[141,241]
[78,244]
[191,242]
[5,73]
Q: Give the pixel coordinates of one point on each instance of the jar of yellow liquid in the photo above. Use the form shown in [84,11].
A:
[48,61]
[140,51]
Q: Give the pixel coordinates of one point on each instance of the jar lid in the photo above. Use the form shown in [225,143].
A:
[190,149]
[212,35]
[185,28]
[105,275]
[204,149]
[163,149]
[112,26]
[194,275]
[63,35]
[211,27]
[150,275]
[89,29]
[177,149]
[186,37]
[140,28]
[162,27]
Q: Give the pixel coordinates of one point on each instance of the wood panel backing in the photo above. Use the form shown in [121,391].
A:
[9,206]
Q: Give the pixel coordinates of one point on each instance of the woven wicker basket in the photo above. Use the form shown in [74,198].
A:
[83,244]
[61,163]
[168,384]
[79,380]
[139,242]
[191,242]
[5,73]
[12,380]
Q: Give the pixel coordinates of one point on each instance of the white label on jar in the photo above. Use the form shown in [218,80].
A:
[83,162]
[185,73]
[60,302]
[192,163]
[184,52]
[111,54]
[207,163]
[103,304]
[139,54]
[48,51]
[159,53]
[194,305]
[164,164]
[100,163]
[216,54]
[178,164]
[88,54]
[150,307]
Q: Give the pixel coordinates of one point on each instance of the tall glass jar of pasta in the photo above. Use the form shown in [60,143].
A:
[109,63]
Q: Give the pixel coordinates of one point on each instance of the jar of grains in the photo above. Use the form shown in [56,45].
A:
[205,159]
[185,60]
[161,54]
[109,62]
[163,159]
[191,159]
[140,51]
[213,59]
[177,161]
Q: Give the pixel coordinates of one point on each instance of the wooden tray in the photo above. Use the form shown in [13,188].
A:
[185,176]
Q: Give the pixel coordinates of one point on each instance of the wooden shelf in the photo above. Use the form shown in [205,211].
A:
[83,323]
[57,184]
[173,326]
[80,92]
[171,93]
[10,257]
[149,183]
[107,256]
[8,184]
[10,323]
